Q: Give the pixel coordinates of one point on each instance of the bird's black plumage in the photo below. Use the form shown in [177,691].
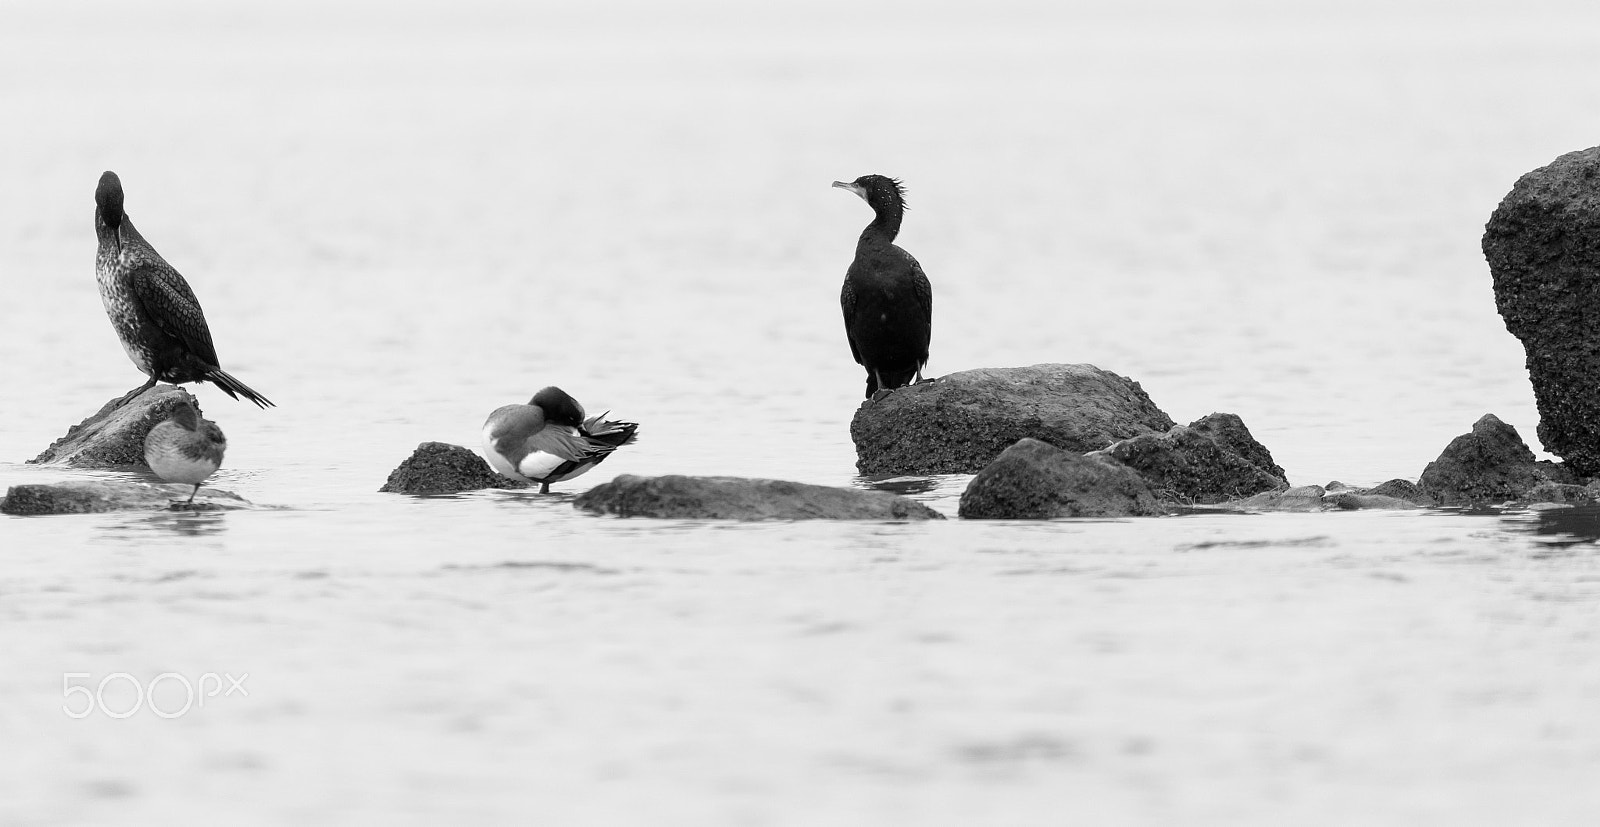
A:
[887,301]
[156,315]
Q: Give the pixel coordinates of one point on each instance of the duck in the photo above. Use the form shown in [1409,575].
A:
[886,298]
[185,447]
[550,439]
[151,306]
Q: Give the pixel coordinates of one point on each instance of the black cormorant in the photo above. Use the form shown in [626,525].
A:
[549,440]
[155,314]
[887,301]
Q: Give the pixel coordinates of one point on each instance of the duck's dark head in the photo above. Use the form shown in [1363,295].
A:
[108,203]
[558,406]
[881,192]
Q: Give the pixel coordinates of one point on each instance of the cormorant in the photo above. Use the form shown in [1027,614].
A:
[887,301]
[185,448]
[549,440]
[155,314]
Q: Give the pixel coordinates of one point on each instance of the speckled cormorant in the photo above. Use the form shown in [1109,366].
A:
[185,448]
[155,314]
[887,301]
[549,440]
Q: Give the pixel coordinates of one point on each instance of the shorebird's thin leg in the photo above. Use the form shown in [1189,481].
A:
[192,493]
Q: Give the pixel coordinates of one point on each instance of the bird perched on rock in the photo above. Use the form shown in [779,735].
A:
[549,440]
[887,301]
[155,314]
[185,448]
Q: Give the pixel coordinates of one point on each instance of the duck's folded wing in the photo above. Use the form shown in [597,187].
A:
[552,447]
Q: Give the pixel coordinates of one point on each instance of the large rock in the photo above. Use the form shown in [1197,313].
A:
[96,496]
[114,436]
[958,423]
[1490,465]
[1541,245]
[1204,462]
[442,468]
[738,498]
[1034,480]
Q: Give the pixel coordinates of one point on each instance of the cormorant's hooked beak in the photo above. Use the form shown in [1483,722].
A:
[852,187]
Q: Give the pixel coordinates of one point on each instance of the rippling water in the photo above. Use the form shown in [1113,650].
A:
[401,216]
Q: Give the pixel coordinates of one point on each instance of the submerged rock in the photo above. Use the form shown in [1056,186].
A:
[1034,480]
[1402,490]
[96,496]
[1307,498]
[959,423]
[442,468]
[1540,245]
[739,498]
[1204,462]
[114,436]
[1489,465]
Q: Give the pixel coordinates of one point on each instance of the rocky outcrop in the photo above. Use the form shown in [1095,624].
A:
[442,468]
[96,496]
[1402,490]
[738,498]
[114,436]
[1208,461]
[959,423]
[1489,465]
[1034,480]
[1304,498]
[1541,249]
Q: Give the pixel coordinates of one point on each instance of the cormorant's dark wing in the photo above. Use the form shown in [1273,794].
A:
[168,301]
[924,295]
[847,302]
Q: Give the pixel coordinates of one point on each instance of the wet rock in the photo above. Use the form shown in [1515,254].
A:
[1562,493]
[1490,465]
[1540,245]
[1034,480]
[739,498]
[442,468]
[96,496]
[1308,498]
[1198,463]
[1402,490]
[958,423]
[1298,498]
[114,436]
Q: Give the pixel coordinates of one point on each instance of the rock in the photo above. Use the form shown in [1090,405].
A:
[1540,245]
[738,498]
[958,423]
[1034,480]
[1229,432]
[1557,492]
[114,436]
[1492,464]
[96,496]
[1188,464]
[1306,498]
[1298,498]
[1402,490]
[442,468]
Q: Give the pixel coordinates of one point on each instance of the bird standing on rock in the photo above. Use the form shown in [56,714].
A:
[155,314]
[887,301]
[549,440]
[185,448]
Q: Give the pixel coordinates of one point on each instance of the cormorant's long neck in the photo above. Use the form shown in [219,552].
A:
[884,227]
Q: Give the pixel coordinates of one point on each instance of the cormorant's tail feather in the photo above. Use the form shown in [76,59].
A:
[234,388]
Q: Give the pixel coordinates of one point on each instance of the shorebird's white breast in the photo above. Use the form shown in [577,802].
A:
[166,458]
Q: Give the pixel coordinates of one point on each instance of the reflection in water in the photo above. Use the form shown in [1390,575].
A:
[904,486]
[187,521]
[1560,526]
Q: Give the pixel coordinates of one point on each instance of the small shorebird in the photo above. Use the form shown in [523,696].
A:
[887,301]
[549,440]
[155,314]
[185,448]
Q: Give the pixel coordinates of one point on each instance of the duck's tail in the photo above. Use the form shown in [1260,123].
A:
[235,388]
[611,435]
